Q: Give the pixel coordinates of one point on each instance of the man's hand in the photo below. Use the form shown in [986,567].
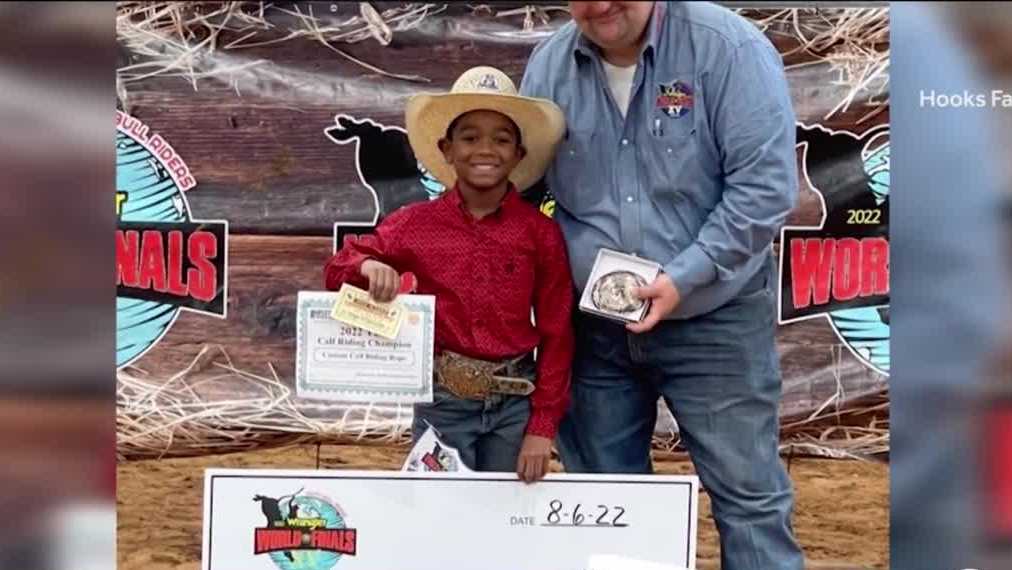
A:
[535,453]
[383,280]
[664,298]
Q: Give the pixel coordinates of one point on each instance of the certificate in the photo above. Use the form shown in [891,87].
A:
[384,520]
[337,361]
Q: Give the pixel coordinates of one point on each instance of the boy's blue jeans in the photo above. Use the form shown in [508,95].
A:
[719,375]
[488,434]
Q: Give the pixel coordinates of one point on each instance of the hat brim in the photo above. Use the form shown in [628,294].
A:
[541,122]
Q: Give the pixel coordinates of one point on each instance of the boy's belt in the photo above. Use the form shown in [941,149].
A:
[474,379]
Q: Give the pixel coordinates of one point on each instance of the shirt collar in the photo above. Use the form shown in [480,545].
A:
[509,201]
[586,48]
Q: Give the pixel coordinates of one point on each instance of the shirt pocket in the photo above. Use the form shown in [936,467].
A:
[574,171]
[673,185]
[673,173]
[677,107]
[514,274]
[674,130]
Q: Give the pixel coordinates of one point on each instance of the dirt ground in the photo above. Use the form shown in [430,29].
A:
[841,518]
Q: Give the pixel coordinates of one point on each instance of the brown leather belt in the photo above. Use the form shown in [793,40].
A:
[474,379]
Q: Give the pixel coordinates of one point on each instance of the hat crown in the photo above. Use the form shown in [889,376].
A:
[484,79]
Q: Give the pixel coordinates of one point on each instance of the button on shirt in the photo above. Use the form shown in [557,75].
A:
[699,175]
[487,275]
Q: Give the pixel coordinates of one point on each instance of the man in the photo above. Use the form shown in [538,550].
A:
[680,149]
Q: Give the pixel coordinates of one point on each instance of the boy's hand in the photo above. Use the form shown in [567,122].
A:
[383,280]
[535,453]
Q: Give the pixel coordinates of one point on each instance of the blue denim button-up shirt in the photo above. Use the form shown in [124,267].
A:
[701,173]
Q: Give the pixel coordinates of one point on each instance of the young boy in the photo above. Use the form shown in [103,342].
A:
[489,258]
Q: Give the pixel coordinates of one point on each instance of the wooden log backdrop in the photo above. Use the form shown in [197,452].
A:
[250,124]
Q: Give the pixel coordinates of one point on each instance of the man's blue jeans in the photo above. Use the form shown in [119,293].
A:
[719,375]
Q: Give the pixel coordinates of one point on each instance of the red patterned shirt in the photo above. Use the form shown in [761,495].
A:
[486,276]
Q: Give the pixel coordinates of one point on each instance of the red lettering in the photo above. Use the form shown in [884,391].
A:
[187,182]
[874,267]
[847,269]
[156,143]
[126,257]
[202,277]
[270,540]
[136,128]
[164,150]
[342,541]
[431,462]
[152,270]
[841,269]
[178,167]
[175,269]
[811,266]
[326,540]
[350,541]
[262,540]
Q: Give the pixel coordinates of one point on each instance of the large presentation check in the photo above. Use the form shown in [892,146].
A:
[388,520]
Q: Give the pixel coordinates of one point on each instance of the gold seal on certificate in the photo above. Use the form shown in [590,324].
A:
[356,308]
[614,277]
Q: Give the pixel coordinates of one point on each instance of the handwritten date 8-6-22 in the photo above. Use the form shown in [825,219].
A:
[579,515]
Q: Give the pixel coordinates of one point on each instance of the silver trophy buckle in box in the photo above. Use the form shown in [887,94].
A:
[609,289]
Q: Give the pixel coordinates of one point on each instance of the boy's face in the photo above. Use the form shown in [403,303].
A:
[483,149]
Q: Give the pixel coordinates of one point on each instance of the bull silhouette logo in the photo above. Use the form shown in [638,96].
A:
[840,269]
[388,169]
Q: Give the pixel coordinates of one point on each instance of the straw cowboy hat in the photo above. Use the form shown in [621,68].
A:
[541,122]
